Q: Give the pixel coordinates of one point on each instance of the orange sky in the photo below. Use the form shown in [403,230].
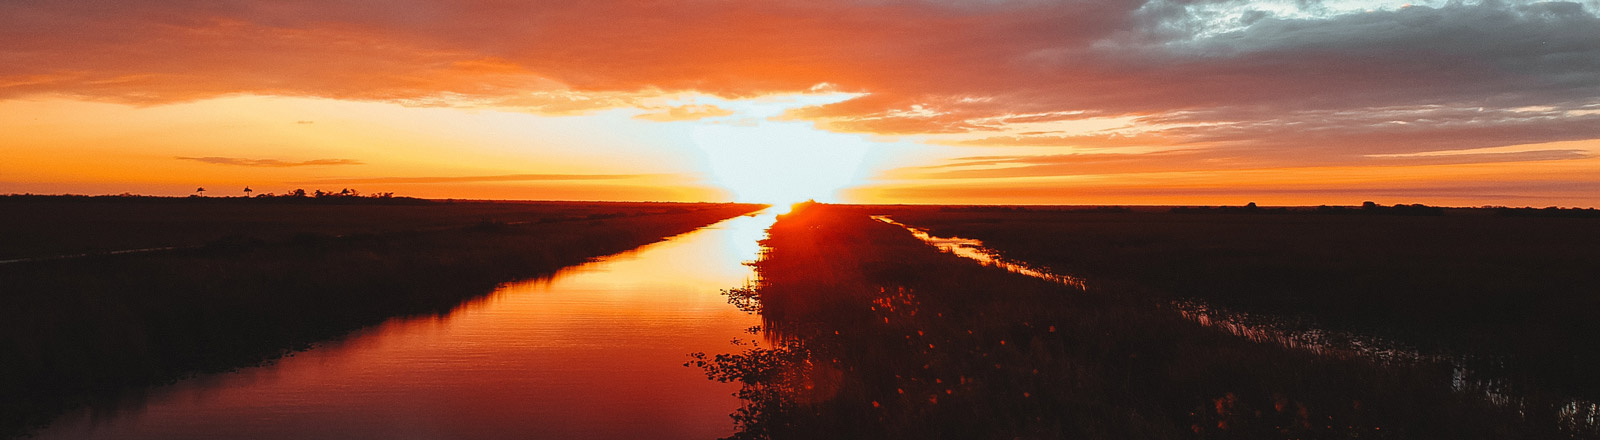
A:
[995,101]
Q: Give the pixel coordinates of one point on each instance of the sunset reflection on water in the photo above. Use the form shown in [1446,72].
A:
[593,352]
[974,250]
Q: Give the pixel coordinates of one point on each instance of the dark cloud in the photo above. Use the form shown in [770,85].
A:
[1491,57]
[1494,54]
[269,163]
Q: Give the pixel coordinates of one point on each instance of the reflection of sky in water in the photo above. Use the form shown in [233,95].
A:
[594,352]
[973,249]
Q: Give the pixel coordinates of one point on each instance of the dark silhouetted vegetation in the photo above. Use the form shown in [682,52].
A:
[1367,208]
[1519,295]
[1062,209]
[80,330]
[1549,211]
[878,335]
[49,226]
[342,196]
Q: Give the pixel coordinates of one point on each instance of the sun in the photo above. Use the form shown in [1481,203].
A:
[781,163]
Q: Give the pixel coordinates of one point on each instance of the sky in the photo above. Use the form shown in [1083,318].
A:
[1296,102]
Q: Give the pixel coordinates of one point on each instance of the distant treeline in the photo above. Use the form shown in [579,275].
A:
[342,197]
[1370,208]
[990,208]
[1367,208]
[1547,212]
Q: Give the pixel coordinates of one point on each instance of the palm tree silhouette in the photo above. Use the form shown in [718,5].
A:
[247,191]
[200,191]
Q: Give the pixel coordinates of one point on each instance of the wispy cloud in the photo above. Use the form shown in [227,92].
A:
[268,163]
[493,178]
[935,67]
[993,167]
[685,113]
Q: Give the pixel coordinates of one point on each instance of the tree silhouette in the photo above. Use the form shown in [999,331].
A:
[200,191]
[247,191]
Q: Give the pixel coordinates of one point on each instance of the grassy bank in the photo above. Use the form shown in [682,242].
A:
[1520,292]
[77,330]
[879,335]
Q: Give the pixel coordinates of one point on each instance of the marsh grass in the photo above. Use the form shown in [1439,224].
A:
[875,334]
[1512,290]
[47,226]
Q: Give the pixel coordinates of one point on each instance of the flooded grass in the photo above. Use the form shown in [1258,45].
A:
[1510,293]
[872,333]
[95,328]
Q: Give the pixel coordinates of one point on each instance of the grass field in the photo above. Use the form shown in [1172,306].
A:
[1518,293]
[47,226]
[83,329]
[874,334]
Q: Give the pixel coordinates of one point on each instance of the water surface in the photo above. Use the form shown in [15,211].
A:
[594,352]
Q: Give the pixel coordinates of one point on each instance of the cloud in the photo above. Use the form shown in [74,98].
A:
[685,113]
[1094,140]
[269,163]
[493,178]
[1384,130]
[1253,81]
[999,167]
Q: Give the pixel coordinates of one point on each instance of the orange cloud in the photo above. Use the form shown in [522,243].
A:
[962,64]
[991,167]
[1106,140]
[1566,182]
[273,163]
[470,179]
[685,113]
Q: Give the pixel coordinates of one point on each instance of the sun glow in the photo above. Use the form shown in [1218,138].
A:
[781,163]
[761,158]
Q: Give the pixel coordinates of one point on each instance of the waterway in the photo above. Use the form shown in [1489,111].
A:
[593,352]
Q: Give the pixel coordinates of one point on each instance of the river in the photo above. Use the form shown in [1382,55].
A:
[593,352]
